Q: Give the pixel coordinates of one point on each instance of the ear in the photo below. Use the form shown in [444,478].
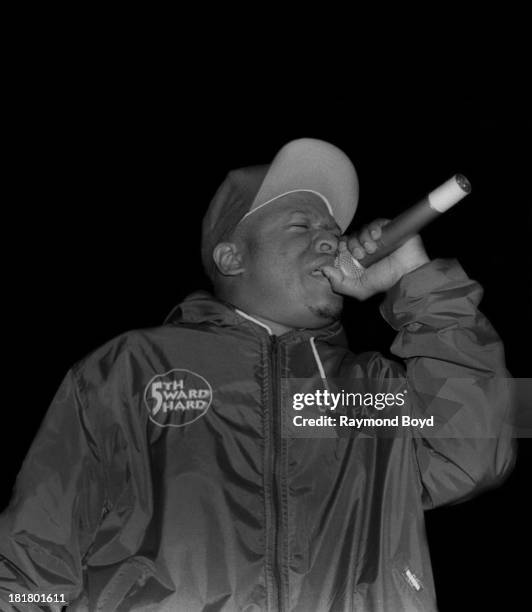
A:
[228,259]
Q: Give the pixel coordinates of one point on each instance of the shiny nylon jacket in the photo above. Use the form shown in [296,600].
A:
[224,513]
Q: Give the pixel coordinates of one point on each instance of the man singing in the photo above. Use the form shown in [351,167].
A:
[162,477]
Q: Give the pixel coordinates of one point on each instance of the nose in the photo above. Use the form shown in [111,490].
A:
[327,243]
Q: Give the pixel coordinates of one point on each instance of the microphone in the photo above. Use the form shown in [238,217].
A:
[407,224]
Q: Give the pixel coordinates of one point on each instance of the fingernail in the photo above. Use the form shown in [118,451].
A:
[374,234]
[358,253]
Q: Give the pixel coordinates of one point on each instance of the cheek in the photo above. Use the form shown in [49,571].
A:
[278,262]
[292,254]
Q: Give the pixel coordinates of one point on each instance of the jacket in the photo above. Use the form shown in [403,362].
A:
[160,478]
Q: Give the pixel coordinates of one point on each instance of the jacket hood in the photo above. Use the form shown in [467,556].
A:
[203,307]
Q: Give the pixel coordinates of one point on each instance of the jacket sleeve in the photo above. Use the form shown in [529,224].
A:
[56,505]
[456,373]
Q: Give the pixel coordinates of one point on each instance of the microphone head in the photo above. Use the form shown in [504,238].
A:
[348,265]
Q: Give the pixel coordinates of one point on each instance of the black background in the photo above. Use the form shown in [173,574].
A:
[112,178]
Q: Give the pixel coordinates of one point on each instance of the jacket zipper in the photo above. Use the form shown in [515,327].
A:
[275,415]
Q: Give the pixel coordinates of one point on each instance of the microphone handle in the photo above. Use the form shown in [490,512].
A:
[409,222]
[400,229]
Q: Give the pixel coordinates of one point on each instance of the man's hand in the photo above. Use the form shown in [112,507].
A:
[384,273]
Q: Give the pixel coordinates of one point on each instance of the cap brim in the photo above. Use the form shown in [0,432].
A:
[316,166]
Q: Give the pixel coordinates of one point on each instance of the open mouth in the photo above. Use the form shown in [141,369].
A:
[317,274]
[316,271]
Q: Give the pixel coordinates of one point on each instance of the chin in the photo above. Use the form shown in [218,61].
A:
[327,310]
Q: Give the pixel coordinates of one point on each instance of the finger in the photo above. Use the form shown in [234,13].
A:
[371,234]
[355,247]
[335,276]
[369,245]
[381,221]
[374,229]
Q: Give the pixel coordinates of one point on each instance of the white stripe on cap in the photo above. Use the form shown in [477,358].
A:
[329,208]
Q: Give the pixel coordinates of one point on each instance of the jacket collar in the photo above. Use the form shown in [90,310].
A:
[203,307]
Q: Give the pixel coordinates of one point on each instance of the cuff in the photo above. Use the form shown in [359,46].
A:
[432,294]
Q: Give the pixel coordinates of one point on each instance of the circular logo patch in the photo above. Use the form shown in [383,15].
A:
[177,398]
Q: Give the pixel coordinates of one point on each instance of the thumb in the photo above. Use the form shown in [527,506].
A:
[334,275]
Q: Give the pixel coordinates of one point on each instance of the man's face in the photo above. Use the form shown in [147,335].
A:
[287,243]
